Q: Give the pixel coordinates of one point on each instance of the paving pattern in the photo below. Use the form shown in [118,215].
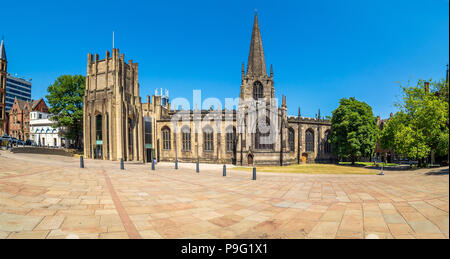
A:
[44,196]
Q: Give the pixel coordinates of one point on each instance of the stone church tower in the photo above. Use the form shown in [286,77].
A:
[112,110]
[262,123]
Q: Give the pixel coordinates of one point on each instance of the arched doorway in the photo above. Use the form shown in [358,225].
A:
[250,160]
[98,148]
[304,157]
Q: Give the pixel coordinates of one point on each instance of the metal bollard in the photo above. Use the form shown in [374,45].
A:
[381,173]
[176,164]
[254,173]
[121,164]
[153,165]
[197,168]
[224,170]
[81,162]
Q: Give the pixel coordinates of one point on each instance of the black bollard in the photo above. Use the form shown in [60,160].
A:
[176,164]
[197,168]
[254,173]
[81,162]
[121,164]
[153,165]
[224,170]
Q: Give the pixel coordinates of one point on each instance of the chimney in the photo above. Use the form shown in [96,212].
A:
[427,87]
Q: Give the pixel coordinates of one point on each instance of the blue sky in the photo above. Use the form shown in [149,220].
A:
[321,51]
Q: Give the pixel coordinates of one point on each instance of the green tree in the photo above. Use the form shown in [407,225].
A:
[421,125]
[65,98]
[353,130]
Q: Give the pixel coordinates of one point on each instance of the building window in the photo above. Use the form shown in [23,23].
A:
[186,135]
[208,139]
[166,138]
[230,139]
[327,144]
[1,112]
[258,90]
[98,127]
[263,136]
[148,130]
[291,139]
[309,139]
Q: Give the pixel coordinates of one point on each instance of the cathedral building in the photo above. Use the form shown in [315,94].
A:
[255,131]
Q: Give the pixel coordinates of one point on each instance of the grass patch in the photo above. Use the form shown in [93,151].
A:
[368,164]
[310,169]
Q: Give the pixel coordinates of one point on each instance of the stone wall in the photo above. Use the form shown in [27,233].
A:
[41,150]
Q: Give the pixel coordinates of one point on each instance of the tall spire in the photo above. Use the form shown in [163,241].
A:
[256,63]
[2,51]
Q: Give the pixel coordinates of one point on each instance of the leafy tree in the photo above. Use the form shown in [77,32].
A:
[421,125]
[65,98]
[353,130]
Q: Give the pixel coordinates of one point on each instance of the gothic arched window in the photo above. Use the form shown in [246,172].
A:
[186,134]
[291,139]
[230,139]
[148,130]
[208,139]
[309,139]
[258,90]
[263,138]
[327,144]
[166,138]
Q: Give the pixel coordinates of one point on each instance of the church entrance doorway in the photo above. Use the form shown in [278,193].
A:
[149,153]
[250,160]
[304,157]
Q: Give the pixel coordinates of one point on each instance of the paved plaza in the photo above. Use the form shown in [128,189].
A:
[44,196]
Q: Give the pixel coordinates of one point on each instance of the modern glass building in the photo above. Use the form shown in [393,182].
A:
[16,88]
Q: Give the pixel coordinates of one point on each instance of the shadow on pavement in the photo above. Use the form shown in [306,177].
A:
[439,172]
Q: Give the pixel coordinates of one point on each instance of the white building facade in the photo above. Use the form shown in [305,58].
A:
[42,132]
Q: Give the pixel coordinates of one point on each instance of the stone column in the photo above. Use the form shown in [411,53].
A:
[126,132]
[141,136]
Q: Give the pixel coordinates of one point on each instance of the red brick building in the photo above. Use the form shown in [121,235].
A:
[19,117]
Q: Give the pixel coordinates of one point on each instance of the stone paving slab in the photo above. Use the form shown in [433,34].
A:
[51,197]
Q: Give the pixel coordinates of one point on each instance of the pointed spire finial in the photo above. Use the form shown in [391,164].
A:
[256,64]
[2,50]
[271,70]
[299,113]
